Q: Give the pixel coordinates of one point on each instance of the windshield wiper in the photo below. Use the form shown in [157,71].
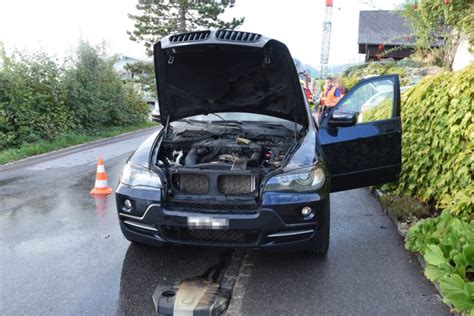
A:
[226,122]
[193,122]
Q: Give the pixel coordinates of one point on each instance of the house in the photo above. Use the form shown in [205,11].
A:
[384,35]
[121,61]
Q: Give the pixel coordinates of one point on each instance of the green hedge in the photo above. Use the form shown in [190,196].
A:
[32,100]
[438,169]
[41,100]
[438,141]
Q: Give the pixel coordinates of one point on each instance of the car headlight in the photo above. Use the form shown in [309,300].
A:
[135,175]
[301,180]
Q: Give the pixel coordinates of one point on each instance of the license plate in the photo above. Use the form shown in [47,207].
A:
[200,222]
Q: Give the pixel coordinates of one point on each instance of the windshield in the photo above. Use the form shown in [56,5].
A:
[238,116]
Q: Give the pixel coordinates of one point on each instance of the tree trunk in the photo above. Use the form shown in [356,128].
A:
[182,16]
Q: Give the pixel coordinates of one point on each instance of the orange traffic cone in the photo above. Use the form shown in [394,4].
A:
[101,186]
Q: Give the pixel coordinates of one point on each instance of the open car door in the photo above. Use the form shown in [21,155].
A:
[361,137]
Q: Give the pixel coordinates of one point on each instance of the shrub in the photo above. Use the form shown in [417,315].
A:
[447,245]
[438,168]
[40,100]
[96,95]
[135,108]
[438,141]
[32,99]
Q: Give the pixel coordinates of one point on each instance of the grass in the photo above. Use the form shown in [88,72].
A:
[67,140]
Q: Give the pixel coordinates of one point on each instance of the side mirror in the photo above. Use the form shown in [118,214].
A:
[342,119]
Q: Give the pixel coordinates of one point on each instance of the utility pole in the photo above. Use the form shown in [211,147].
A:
[326,41]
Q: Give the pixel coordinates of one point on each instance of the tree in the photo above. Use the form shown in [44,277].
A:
[143,75]
[159,18]
[96,95]
[439,27]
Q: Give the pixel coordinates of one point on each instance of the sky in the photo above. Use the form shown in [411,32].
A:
[56,26]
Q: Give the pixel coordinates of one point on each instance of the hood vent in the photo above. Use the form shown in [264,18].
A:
[190,37]
[236,36]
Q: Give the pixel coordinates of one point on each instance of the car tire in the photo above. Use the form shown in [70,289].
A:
[319,244]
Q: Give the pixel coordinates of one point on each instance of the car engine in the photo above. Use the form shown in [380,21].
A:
[221,162]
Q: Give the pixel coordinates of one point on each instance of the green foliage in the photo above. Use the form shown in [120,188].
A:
[161,18]
[96,96]
[40,100]
[355,73]
[143,75]
[382,111]
[447,245]
[32,99]
[437,170]
[439,27]
[438,141]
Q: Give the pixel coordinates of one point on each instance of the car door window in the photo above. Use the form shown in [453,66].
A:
[371,101]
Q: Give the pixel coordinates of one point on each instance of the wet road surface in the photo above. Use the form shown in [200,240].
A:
[62,253]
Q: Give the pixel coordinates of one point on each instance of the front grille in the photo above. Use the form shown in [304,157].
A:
[211,236]
[235,184]
[190,37]
[237,36]
[193,206]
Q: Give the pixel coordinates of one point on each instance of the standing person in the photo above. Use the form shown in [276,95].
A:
[341,88]
[335,93]
[328,86]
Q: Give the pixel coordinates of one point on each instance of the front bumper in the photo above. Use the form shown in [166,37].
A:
[276,222]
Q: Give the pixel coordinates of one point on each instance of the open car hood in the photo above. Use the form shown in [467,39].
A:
[226,71]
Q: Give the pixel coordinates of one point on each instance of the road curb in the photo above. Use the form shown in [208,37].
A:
[72,149]
[379,194]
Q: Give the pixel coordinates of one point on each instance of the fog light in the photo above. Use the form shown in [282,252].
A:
[127,206]
[306,211]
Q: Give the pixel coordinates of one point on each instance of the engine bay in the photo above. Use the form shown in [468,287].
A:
[222,160]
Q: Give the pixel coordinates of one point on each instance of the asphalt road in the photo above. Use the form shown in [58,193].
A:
[62,253]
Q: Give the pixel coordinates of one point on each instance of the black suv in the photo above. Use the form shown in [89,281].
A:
[240,160]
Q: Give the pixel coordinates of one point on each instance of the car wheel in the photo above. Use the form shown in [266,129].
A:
[319,244]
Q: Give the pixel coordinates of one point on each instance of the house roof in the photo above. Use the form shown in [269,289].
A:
[384,27]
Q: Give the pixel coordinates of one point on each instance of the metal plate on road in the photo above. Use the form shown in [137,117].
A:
[202,222]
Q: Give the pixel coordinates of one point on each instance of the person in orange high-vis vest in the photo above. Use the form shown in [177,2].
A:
[332,96]
[328,84]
